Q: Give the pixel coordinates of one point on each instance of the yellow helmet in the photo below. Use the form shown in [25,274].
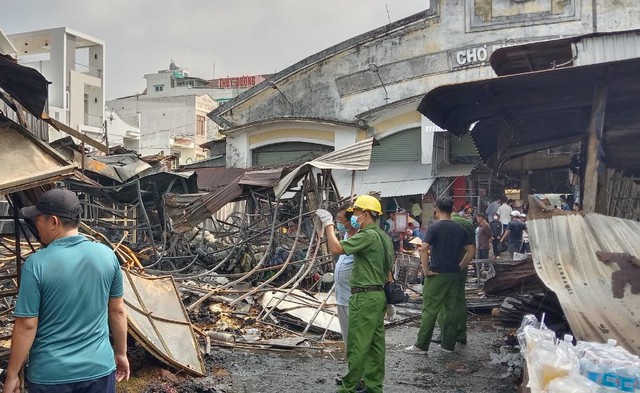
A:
[368,202]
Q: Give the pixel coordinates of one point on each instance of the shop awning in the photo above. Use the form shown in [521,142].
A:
[396,178]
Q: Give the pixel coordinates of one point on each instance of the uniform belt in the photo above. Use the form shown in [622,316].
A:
[370,288]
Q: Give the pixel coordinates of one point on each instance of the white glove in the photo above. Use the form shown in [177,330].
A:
[325,217]
[391,312]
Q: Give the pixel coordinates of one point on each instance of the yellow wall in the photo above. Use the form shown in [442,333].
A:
[292,134]
[399,122]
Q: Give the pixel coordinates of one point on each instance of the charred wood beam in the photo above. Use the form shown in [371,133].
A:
[594,144]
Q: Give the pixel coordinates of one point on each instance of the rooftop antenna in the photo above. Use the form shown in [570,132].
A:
[388,16]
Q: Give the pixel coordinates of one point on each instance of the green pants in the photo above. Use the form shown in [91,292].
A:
[461,308]
[365,348]
[440,295]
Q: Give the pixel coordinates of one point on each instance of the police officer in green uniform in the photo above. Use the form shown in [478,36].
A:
[373,257]
[442,267]
[462,280]
[461,309]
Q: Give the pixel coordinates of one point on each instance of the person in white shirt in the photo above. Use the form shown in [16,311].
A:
[504,211]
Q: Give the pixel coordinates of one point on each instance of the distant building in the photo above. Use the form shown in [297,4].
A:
[172,111]
[74,63]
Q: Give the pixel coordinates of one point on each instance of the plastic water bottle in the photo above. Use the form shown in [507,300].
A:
[627,379]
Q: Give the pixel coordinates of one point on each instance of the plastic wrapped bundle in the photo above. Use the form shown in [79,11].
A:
[571,384]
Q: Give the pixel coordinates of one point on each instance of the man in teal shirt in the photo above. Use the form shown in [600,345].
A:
[70,294]
[373,257]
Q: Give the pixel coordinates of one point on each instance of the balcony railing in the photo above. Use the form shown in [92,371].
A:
[85,69]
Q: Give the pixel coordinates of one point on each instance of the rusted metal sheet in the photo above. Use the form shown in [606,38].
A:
[187,213]
[264,178]
[564,247]
[126,165]
[27,162]
[212,179]
[511,275]
[159,322]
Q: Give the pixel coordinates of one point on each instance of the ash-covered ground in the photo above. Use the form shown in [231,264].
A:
[468,370]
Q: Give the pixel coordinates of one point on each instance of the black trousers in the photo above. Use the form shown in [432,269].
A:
[496,247]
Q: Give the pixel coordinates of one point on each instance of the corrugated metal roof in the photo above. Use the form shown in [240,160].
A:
[125,165]
[189,210]
[263,178]
[455,170]
[564,247]
[554,111]
[609,47]
[562,52]
[353,158]
[212,179]
[26,162]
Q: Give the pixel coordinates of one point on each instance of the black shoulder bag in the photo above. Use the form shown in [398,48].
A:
[393,290]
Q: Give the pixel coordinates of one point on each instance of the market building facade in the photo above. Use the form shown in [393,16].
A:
[371,85]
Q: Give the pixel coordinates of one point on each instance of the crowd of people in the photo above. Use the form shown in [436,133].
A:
[365,244]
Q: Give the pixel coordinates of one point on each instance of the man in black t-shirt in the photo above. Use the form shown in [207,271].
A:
[442,244]
[514,233]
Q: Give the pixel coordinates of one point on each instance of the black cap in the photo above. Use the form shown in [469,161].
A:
[56,202]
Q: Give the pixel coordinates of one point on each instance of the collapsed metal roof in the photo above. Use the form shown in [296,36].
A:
[514,115]
[564,246]
[355,157]
[214,178]
[26,161]
[158,321]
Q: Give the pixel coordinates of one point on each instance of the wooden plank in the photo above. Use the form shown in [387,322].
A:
[594,132]
[76,134]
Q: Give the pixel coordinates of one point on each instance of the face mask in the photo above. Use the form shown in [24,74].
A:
[354,222]
[341,228]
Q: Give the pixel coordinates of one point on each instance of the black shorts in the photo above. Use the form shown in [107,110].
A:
[106,384]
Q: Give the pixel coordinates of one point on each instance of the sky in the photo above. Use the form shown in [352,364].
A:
[228,37]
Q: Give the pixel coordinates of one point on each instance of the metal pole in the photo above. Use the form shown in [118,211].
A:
[353,186]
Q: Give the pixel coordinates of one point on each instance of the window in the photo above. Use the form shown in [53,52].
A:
[200,125]
[159,87]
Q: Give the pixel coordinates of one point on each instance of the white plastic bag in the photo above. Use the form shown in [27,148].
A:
[571,384]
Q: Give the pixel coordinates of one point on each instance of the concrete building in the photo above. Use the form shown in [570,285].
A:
[123,131]
[168,125]
[74,63]
[371,85]
[171,114]
[176,81]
